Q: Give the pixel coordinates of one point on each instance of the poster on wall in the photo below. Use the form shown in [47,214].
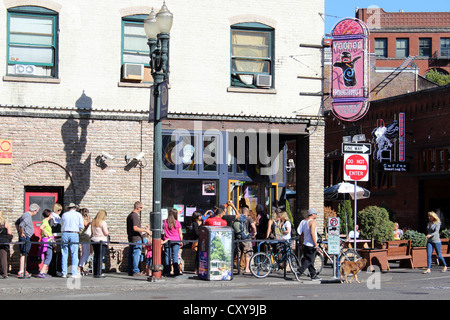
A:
[350,69]
[5,151]
[180,209]
[209,188]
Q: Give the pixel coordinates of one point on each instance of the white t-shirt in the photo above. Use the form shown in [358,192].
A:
[286,227]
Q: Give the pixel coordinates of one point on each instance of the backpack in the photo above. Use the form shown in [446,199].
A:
[239,228]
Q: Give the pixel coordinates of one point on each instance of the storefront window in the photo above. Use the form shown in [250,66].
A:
[168,152]
[189,153]
[189,195]
[210,153]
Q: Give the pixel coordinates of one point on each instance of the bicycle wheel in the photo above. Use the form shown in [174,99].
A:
[348,254]
[318,263]
[260,265]
[294,265]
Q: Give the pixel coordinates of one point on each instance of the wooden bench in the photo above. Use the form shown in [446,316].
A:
[445,249]
[400,250]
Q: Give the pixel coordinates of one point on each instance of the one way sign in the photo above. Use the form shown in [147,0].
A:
[362,148]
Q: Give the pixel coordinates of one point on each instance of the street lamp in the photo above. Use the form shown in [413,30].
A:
[157,28]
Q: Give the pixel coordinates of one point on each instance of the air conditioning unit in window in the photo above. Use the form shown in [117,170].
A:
[24,69]
[132,71]
[263,80]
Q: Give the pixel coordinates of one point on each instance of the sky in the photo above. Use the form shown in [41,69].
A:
[335,10]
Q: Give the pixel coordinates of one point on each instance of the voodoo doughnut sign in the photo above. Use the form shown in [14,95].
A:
[350,76]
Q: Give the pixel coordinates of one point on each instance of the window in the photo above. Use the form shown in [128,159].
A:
[425,47]
[402,48]
[135,50]
[32,41]
[434,160]
[252,55]
[445,48]
[381,48]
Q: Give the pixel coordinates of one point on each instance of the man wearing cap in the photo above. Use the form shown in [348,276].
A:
[71,224]
[308,229]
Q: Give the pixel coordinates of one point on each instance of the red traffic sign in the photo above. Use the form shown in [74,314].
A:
[356,167]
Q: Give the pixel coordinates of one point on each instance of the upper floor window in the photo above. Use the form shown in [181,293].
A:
[135,50]
[425,47]
[381,47]
[252,60]
[445,48]
[402,47]
[32,41]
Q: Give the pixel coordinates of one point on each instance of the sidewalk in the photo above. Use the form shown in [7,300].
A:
[121,281]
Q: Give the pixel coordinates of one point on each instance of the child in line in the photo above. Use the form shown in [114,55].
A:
[46,249]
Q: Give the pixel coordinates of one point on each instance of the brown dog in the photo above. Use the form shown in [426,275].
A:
[354,268]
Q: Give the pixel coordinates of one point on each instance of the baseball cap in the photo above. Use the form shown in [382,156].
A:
[312,211]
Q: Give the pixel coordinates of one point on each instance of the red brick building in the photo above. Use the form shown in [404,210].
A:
[423,184]
[395,36]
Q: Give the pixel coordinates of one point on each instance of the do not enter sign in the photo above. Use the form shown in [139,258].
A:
[356,167]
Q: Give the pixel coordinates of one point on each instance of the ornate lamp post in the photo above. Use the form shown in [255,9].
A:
[157,28]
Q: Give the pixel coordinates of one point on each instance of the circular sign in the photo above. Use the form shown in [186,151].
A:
[5,146]
[356,167]
[334,222]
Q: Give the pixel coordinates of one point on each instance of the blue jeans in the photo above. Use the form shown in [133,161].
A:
[171,251]
[134,255]
[437,248]
[67,244]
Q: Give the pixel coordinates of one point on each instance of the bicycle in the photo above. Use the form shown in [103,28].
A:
[347,254]
[263,263]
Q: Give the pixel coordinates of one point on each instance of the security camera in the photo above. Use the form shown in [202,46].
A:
[106,155]
[139,156]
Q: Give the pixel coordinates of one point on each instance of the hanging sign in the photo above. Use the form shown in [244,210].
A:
[5,151]
[350,69]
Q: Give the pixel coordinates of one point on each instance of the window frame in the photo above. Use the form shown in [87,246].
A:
[137,19]
[384,48]
[253,27]
[444,43]
[40,12]
[406,49]
[428,47]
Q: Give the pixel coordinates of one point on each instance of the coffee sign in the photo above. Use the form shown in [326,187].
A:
[350,73]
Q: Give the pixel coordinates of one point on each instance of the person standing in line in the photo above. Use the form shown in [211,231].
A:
[24,226]
[308,229]
[55,223]
[5,239]
[85,237]
[46,249]
[195,233]
[134,232]
[174,233]
[434,241]
[217,220]
[99,233]
[71,224]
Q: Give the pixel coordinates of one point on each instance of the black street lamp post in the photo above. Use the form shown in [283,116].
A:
[157,28]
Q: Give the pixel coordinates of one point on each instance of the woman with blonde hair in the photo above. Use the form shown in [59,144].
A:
[5,239]
[100,239]
[434,240]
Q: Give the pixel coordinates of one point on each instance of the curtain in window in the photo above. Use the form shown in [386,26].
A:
[249,48]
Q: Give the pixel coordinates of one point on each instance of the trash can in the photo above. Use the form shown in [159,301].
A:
[215,245]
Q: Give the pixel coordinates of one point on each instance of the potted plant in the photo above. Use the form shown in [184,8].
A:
[445,240]
[374,224]
[419,250]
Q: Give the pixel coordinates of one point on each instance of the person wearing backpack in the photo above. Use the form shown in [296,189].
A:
[243,225]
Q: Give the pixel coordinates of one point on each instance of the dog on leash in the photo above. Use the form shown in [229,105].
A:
[352,267]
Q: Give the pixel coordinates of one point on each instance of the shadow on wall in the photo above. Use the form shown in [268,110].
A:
[74,135]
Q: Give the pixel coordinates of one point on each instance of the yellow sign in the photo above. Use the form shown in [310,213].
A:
[5,151]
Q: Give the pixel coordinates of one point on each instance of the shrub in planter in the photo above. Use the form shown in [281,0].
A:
[418,239]
[374,224]
[445,233]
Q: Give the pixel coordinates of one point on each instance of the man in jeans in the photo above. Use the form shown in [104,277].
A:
[71,224]
[24,226]
[134,236]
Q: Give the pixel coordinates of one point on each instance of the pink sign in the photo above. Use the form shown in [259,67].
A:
[350,69]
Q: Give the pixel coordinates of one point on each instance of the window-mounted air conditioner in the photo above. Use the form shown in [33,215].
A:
[132,71]
[24,69]
[264,80]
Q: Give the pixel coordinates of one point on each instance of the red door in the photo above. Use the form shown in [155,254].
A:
[45,200]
